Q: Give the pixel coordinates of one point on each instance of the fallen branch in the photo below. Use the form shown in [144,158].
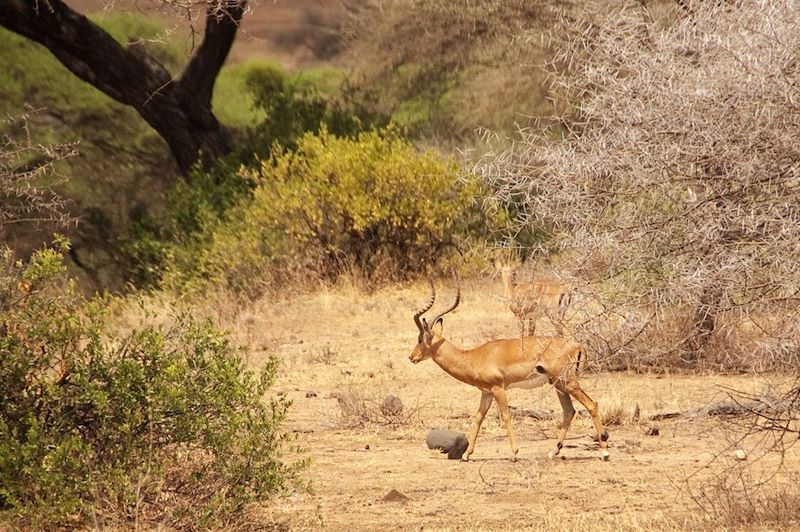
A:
[535,414]
[764,403]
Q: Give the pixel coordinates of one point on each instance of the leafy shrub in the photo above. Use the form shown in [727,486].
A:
[163,421]
[290,106]
[296,105]
[372,205]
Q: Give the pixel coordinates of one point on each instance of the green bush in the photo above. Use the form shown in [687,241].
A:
[162,421]
[293,106]
[372,205]
[290,106]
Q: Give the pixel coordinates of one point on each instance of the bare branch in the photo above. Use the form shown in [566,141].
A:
[676,185]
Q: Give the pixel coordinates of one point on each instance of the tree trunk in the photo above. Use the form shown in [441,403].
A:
[178,108]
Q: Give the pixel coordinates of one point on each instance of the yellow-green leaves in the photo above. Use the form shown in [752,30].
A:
[374,204]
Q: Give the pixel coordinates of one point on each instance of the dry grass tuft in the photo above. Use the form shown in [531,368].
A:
[359,410]
[326,355]
[734,499]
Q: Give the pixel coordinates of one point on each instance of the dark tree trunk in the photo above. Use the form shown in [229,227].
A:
[178,108]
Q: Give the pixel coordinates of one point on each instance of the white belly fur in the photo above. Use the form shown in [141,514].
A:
[534,381]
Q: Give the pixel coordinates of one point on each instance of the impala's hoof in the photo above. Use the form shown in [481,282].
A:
[551,455]
[604,455]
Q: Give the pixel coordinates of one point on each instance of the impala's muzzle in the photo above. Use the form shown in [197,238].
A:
[417,354]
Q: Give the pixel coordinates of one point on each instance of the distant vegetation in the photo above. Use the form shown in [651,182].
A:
[447,69]
[133,206]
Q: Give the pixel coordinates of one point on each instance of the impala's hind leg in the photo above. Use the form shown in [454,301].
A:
[601,435]
[569,413]
[486,402]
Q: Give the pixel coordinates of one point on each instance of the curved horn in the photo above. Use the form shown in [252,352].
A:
[458,298]
[427,307]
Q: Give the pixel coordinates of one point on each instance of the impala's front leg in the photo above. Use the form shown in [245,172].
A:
[502,403]
[486,402]
[569,413]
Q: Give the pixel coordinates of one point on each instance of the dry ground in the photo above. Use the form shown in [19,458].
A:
[343,341]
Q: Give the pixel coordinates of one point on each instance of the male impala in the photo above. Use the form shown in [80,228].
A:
[496,366]
[530,301]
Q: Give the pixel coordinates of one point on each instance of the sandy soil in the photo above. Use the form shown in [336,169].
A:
[343,341]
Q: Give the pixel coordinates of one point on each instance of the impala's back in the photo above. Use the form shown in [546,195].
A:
[530,361]
[542,295]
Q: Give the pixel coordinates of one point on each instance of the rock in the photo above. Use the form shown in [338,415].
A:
[740,454]
[311,393]
[652,431]
[448,441]
[394,496]
[391,406]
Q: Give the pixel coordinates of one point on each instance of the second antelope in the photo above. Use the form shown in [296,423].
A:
[530,301]
[497,366]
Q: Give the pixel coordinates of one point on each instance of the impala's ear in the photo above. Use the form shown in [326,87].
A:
[437,326]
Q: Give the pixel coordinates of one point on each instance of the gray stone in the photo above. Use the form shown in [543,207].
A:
[448,441]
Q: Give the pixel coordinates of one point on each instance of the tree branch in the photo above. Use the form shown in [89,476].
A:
[222,22]
[179,110]
[85,49]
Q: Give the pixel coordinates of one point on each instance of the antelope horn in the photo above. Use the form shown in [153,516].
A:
[427,307]
[458,298]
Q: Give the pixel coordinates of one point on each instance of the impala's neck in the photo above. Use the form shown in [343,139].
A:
[454,361]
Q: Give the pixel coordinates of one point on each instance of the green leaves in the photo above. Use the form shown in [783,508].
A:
[91,421]
[372,204]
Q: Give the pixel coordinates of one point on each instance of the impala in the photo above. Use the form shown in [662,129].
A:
[530,301]
[497,366]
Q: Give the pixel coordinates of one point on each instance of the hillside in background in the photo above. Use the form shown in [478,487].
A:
[295,33]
